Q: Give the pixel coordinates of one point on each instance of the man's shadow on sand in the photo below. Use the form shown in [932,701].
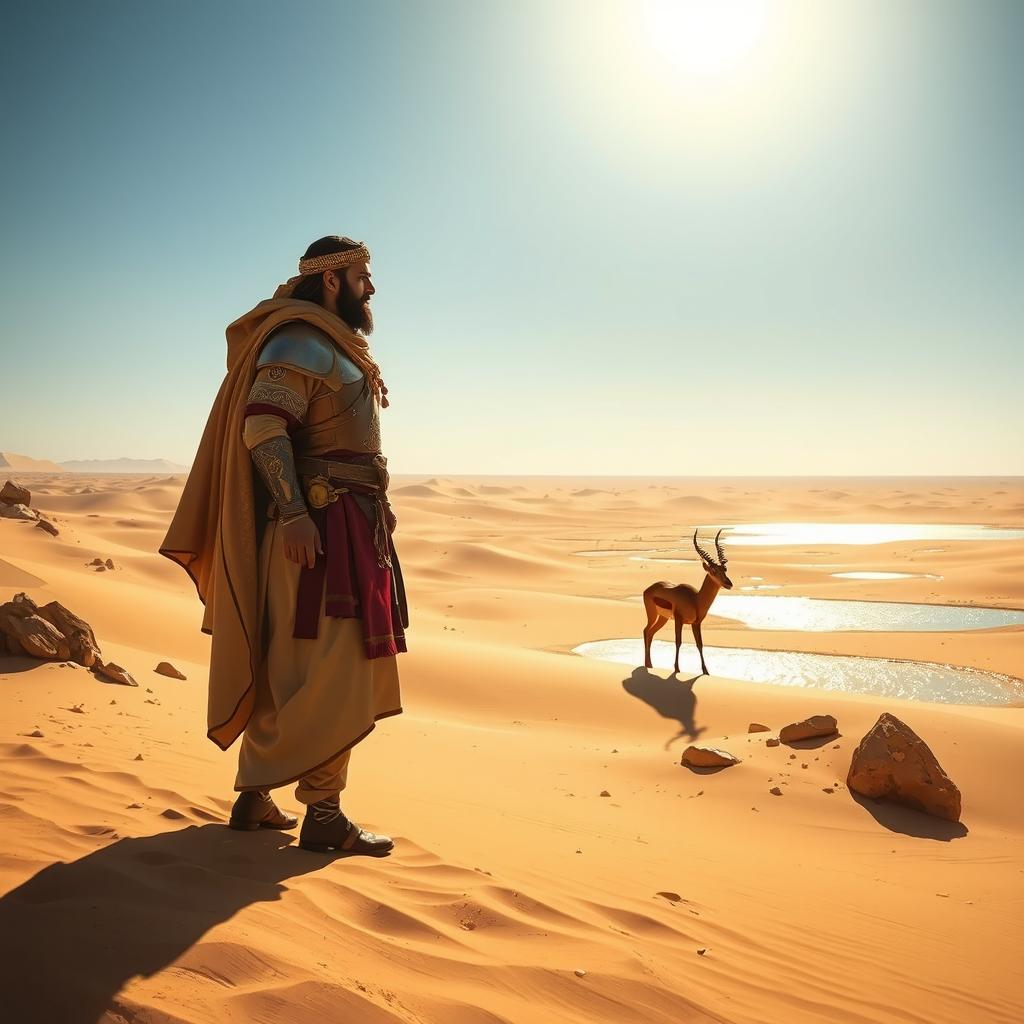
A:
[74,934]
[671,698]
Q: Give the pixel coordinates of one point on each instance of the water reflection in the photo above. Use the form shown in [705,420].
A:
[882,677]
[885,576]
[856,533]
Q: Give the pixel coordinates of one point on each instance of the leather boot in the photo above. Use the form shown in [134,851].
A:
[255,809]
[325,828]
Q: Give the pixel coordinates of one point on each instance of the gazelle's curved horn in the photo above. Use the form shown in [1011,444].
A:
[718,548]
[700,551]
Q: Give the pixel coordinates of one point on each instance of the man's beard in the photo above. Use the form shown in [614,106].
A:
[355,312]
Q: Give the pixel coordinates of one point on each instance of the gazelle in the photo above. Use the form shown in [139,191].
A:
[683,603]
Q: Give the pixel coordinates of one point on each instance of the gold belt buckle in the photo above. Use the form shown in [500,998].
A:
[320,493]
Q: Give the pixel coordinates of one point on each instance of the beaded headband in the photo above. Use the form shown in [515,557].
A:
[334,260]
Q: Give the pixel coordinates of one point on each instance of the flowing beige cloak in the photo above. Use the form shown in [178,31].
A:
[212,535]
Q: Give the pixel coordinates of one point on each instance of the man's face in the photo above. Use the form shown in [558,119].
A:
[353,296]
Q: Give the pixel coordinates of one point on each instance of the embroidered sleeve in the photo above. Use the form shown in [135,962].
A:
[279,391]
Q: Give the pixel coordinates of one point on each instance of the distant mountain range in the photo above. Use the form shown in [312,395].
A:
[25,464]
[122,466]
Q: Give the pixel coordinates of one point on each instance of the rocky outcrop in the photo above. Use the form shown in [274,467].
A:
[893,763]
[708,757]
[54,632]
[17,511]
[14,494]
[808,729]
[33,634]
[81,639]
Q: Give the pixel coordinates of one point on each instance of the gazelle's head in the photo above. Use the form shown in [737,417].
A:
[714,568]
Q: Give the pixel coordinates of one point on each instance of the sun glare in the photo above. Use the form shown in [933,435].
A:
[705,38]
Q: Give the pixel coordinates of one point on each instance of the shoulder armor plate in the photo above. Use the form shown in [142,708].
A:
[300,346]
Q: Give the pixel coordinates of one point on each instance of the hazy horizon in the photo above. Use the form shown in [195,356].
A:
[770,239]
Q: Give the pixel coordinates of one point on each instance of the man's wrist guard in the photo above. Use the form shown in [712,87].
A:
[275,463]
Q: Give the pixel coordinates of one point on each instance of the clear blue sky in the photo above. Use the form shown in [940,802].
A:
[591,256]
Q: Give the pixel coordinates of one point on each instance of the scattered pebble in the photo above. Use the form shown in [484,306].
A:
[37,733]
[604,792]
[138,757]
[772,741]
[775,791]
[579,973]
[701,952]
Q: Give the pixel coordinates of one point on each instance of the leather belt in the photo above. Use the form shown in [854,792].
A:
[322,471]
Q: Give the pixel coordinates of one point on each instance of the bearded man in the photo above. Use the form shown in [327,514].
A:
[285,527]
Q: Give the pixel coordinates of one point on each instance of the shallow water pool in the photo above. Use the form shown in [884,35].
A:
[855,533]
[882,677]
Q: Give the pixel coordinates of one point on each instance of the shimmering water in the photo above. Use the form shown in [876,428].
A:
[882,677]
[855,533]
[885,576]
[819,615]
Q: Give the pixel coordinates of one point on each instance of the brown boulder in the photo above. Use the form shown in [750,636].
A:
[14,494]
[893,763]
[45,524]
[80,637]
[113,673]
[757,727]
[708,757]
[809,728]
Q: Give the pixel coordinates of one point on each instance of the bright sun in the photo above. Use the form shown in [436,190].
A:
[705,38]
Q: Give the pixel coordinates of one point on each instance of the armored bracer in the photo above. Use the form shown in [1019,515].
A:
[275,462]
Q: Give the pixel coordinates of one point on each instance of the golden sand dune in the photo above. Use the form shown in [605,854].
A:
[516,891]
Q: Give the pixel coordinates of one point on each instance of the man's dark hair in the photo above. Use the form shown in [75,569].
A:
[311,287]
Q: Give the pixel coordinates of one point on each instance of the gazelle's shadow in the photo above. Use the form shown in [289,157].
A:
[671,698]
[75,933]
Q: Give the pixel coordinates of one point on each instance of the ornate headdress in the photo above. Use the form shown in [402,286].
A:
[335,260]
[318,264]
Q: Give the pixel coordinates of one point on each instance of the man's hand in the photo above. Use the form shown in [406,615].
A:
[302,541]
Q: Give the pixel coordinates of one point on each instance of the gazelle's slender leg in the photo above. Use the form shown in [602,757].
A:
[700,647]
[679,637]
[649,630]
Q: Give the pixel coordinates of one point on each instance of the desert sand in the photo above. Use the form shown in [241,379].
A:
[683,895]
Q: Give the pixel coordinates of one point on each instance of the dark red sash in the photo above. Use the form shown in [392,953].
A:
[356,584]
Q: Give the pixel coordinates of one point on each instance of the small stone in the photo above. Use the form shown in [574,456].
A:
[809,728]
[772,741]
[775,791]
[827,789]
[604,792]
[757,727]
[708,757]
[792,757]
[580,973]
[134,807]
[701,952]
[672,897]
[166,669]
[109,563]
[138,757]
[115,673]
[37,733]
